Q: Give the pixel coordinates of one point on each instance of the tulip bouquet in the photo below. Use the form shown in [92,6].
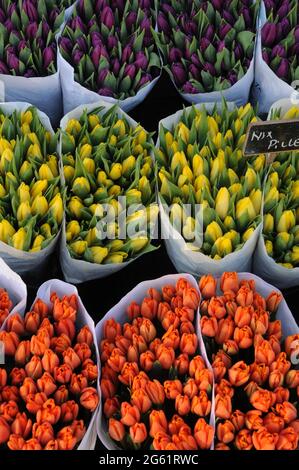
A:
[47,387]
[208,45]
[156,384]
[108,47]
[110,185]
[31,205]
[280,38]
[257,382]
[201,164]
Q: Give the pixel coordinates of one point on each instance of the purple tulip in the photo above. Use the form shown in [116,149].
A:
[40,43]
[30,73]
[118,4]
[217,4]
[98,6]
[22,45]
[269,4]
[31,30]
[141,61]
[239,53]
[179,73]
[232,77]
[175,55]
[195,60]
[295,50]
[66,44]
[167,8]
[297,34]
[210,32]
[266,57]
[91,23]
[204,44]
[11,9]
[102,75]
[53,15]
[146,25]
[111,42]
[2,16]
[82,44]
[163,25]
[115,66]
[283,11]
[279,51]
[12,61]
[194,71]
[209,68]
[126,53]
[268,34]
[228,17]
[9,25]
[46,29]
[285,26]
[105,91]
[220,46]
[30,10]
[189,88]
[145,4]
[48,56]
[224,30]
[130,71]
[144,80]
[77,56]
[107,17]
[247,16]
[96,39]
[96,55]
[3,68]
[283,70]
[131,19]
[77,23]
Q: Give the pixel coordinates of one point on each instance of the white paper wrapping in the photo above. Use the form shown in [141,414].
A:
[196,263]
[15,287]
[268,87]
[75,94]
[77,271]
[24,262]
[118,313]
[61,288]
[263,265]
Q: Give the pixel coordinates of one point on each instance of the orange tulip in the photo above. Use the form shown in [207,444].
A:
[181,285]
[230,347]
[207,286]
[229,282]
[291,345]
[173,388]
[140,381]
[262,399]
[224,387]
[155,391]
[185,441]
[140,343]
[15,442]
[46,384]
[32,444]
[170,319]
[282,394]
[243,316]
[141,400]
[264,353]
[263,439]
[17,376]
[90,370]
[225,331]
[223,407]
[85,336]
[209,326]
[244,296]
[66,439]
[60,343]
[138,433]
[15,323]
[273,300]
[171,338]
[191,298]
[165,356]
[64,308]
[168,292]
[222,356]
[34,368]
[161,440]
[276,379]
[130,414]
[133,310]
[4,430]
[196,364]
[295,425]
[147,360]
[78,383]
[185,313]
[89,399]
[154,294]
[216,307]
[43,433]
[204,434]
[219,370]
[148,330]
[204,379]
[189,343]
[163,308]
[9,410]
[111,329]
[10,392]
[69,411]
[274,329]
[78,428]
[154,345]
[275,344]
[281,363]
[116,430]
[83,351]
[243,440]
[157,423]
[176,424]
[181,364]
[239,373]
[292,378]
[259,321]
[221,446]
[32,322]
[128,372]
[149,308]
[287,411]
[116,360]
[254,420]
[66,327]
[108,388]
[201,405]
[243,337]
[10,341]
[111,406]
[225,432]
[186,327]
[132,354]
[21,425]
[273,423]
[259,301]
[27,388]
[63,374]
[49,412]
[259,373]
[238,420]
[61,395]
[190,388]
[287,440]
[41,308]
[3,378]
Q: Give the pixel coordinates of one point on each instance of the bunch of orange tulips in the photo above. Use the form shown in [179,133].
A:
[5,305]
[257,383]
[47,391]
[156,387]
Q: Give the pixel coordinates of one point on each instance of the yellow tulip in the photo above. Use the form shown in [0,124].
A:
[250,178]
[18,240]
[137,244]
[268,223]
[93,120]
[245,212]
[222,202]
[286,222]
[79,247]
[212,126]
[116,171]
[218,165]
[119,128]
[115,258]
[23,211]
[39,206]
[4,144]
[201,182]
[178,158]
[274,178]
[37,243]
[39,187]
[183,132]
[248,234]
[197,165]
[73,127]
[81,187]
[213,232]
[89,165]
[34,151]
[6,231]
[45,230]
[52,164]
[98,254]
[69,173]
[256,199]
[45,172]
[128,165]
[56,208]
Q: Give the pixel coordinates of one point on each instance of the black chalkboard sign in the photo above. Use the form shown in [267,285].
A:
[272,137]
